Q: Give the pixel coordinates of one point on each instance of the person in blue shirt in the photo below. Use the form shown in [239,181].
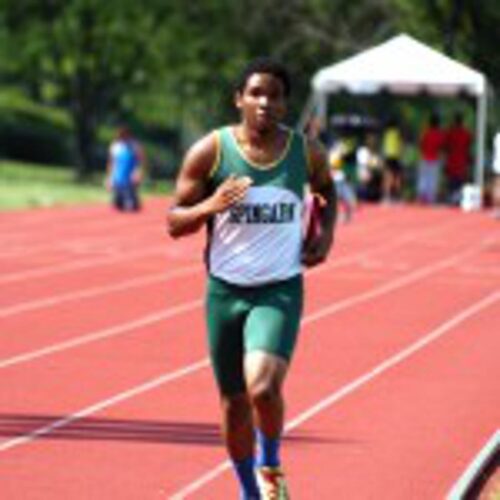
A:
[124,170]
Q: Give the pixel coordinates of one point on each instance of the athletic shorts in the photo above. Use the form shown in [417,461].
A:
[243,319]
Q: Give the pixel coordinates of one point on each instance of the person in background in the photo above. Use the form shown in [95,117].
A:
[345,191]
[458,157]
[245,183]
[124,170]
[392,149]
[369,167]
[431,145]
[496,176]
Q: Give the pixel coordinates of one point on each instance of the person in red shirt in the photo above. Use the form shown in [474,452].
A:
[458,143]
[432,142]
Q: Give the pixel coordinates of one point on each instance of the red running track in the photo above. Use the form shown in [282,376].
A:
[106,391]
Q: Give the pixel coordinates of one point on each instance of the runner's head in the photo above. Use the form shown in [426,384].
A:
[261,93]
[268,66]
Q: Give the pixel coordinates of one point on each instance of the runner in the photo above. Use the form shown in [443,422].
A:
[246,183]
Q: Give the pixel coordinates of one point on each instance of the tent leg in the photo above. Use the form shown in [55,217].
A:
[480,140]
[322,103]
[306,114]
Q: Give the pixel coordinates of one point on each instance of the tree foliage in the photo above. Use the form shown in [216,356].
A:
[84,54]
[174,62]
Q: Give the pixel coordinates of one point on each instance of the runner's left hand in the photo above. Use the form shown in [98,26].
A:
[315,251]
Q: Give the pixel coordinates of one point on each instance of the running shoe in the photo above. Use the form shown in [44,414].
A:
[272,484]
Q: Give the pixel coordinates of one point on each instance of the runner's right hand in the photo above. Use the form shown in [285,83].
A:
[230,192]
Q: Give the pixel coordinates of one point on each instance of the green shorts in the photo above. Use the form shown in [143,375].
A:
[242,319]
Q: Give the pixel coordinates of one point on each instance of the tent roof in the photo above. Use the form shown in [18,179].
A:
[401,65]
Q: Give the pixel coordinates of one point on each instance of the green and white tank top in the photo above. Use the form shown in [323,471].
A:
[259,240]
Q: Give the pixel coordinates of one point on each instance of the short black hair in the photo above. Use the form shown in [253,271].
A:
[266,65]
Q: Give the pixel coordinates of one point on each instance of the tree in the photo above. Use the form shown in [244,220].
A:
[464,29]
[89,53]
[176,60]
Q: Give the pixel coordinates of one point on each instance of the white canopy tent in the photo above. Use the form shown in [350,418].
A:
[404,66]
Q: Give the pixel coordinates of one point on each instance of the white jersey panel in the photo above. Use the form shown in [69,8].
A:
[259,240]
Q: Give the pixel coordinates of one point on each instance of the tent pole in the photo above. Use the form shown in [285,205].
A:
[480,138]
[323,109]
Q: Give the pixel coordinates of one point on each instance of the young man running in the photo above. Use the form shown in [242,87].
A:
[246,183]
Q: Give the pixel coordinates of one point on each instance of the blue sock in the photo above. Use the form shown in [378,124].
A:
[246,474]
[267,450]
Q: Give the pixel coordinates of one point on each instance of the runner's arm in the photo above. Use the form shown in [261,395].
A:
[321,182]
[193,205]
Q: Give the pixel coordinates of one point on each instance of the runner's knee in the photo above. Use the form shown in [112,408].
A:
[236,410]
[264,393]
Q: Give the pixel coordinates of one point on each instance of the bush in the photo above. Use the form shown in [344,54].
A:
[27,140]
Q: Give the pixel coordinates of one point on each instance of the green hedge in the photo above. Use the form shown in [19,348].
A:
[26,140]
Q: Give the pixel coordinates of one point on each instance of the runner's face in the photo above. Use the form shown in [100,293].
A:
[262,102]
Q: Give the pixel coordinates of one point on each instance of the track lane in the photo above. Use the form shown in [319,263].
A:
[198,428]
[49,263]
[93,311]
[108,332]
[127,411]
[426,418]
[199,432]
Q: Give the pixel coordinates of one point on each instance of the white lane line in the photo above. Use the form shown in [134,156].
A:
[481,270]
[104,219]
[401,356]
[118,398]
[162,315]
[348,389]
[396,283]
[122,286]
[102,334]
[84,263]
[21,307]
[8,444]
[81,264]
[326,311]
[59,237]
[81,244]
[56,300]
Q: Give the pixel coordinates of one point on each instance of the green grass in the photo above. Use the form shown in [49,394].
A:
[25,185]
[40,134]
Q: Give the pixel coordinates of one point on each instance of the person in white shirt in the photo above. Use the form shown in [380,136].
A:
[496,175]
[369,170]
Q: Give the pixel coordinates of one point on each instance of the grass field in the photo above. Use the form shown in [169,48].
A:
[25,185]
